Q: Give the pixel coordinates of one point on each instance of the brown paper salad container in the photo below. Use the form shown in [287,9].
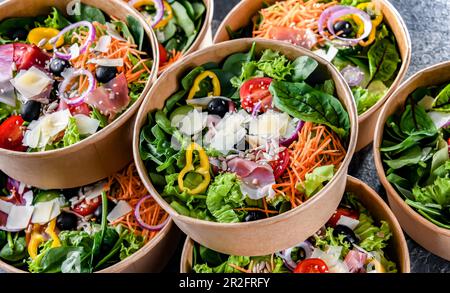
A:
[152,256]
[204,34]
[95,157]
[241,16]
[430,236]
[397,250]
[251,238]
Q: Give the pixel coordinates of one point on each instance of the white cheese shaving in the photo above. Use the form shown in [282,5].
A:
[121,209]
[192,123]
[103,44]
[347,221]
[19,218]
[94,191]
[118,62]
[44,212]
[86,124]
[230,131]
[32,82]
[28,196]
[270,125]
[74,51]
[5,206]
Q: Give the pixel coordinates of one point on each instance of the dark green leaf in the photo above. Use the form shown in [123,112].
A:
[383,60]
[442,101]
[304,66]
[90,14]
[137,30]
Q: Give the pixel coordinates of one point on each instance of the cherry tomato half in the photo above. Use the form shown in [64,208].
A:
[80,109]
[280,165]
[311,266]
[84,208]
[256,90]
[332,222]
[11,134]
[26,56]
[163,56]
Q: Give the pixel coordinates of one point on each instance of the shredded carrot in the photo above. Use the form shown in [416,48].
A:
[316,146]
[236,267]
[295,14]
[174,57]
[126,185]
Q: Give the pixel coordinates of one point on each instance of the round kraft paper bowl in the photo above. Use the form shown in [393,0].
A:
[95,157]
[397,251]
[241,15]
[264,236]
[151,258]
[431,237]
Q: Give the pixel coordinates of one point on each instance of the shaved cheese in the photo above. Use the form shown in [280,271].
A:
[121,209]
[347,221]
[270,125]
[230,131]
[86,124]
[118,62]
[7,93]
[94,191]
[42,212]
[111,31]
[19,218]
[328,55]
[5,206]
[194,122]
[32,82]
[28,197]
[103,44]
[74,51]
[40,132]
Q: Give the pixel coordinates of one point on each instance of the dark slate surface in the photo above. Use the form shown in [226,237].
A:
[428,23]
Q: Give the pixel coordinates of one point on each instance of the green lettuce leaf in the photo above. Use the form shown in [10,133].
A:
[372,238]
[72,134]
[56,20]
[315,181]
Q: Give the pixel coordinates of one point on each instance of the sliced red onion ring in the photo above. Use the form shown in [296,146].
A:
[353,75]
[333,13]
[231,106]
[83,47]
[287,257]
[141,222]
[68,77]
[159,10]
[286,142]
[256,109]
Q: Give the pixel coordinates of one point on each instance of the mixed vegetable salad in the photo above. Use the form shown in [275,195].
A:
[76,230]
[351,242]
[415,152]
[63,79]
[247,139]
[176,25]
[351,34]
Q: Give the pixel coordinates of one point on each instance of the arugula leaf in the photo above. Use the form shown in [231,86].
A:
[308,104]
[90,14]
[383,60]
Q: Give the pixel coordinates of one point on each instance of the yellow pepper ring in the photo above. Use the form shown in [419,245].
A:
[37,35]
[375,23]
[35,240]
[196,86]
[168,12]
[51,232]
[203,169]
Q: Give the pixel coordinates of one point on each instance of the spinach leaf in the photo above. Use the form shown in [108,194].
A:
[189,79]
[442,101]
[199,10]
[11,24]
[53,260]
[210,256]
[90,14]
[2,238]
[46,195]
[233,63]
[304,66]
[383,60]
[306,103]
[136,30]
[183,19]
[411,157]
[15,249]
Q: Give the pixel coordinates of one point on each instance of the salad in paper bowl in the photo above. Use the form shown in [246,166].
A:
[66,77]
[354,35]
[246,139]
[76,230]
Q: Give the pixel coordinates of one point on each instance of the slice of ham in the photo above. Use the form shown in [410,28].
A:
[7,94]
[300,37]
[111,98]
[257,179]
[355,261]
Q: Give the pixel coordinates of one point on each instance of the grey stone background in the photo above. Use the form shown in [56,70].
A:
[428,22]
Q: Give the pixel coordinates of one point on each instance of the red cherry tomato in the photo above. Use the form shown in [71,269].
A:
[332,222]
[162,54]
[280,165]
[256,90]
[11,134]
[311,266]
[26,56]
[84,208]
[80,109]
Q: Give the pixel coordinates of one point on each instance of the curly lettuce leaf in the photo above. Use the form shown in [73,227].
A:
[72,134]
[239,261]
[315,181]
[327,240]
[56,20]
[372,238]
[223,196]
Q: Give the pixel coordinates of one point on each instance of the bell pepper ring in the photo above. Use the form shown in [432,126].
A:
[41,37]
[168,12]
[375,22]
[196,86]
[203,169]
[51,232]
[35,240]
